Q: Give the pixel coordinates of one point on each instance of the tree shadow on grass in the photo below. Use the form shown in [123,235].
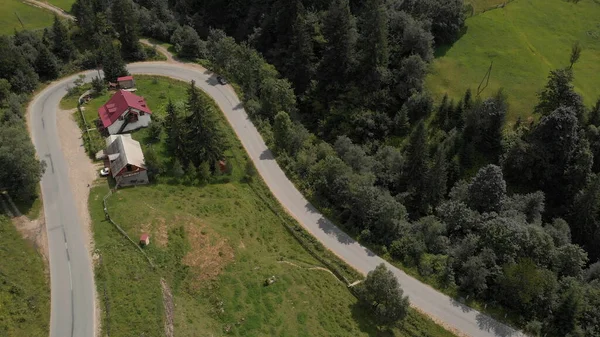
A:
[443,49]
[365,323]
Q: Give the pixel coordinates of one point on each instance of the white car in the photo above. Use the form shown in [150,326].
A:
[104,172]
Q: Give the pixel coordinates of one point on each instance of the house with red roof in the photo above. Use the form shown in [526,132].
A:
[124,112]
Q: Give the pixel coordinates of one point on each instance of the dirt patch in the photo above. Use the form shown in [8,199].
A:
[158,231]
[35,232]
[169,308]
[208,255]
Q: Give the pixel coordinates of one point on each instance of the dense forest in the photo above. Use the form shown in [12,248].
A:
[506,214]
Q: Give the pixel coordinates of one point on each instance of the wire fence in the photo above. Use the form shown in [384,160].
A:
[109,219]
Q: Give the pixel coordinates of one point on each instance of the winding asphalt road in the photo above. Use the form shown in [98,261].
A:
[71,271]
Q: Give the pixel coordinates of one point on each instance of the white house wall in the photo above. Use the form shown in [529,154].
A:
[139,178]
[142,122]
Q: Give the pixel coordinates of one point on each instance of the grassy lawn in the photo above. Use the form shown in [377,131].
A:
[215,245]
[24,291]
[483,5]
[63,4]
[525,40]
[32,17]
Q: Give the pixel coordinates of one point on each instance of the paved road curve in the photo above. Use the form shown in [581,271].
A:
[60,215]
[71,276]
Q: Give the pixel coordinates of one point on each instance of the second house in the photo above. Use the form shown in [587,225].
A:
[124,112]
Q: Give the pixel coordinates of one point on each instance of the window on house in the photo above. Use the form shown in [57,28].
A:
[129,168]
[121,117]
[141,113]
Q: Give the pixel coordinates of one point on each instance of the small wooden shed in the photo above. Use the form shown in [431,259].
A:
[144,239]
[126,82]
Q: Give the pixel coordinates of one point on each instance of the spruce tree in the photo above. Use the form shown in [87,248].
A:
[204,141]
[125,22]
[301,68]
[339,30]
[415,176]
[374,42]
[112,63]
[46,64]
[173,129]
[62,46]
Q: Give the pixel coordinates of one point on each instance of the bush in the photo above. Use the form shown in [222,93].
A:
[250,170]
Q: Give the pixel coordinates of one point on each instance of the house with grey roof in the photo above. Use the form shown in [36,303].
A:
[125,158]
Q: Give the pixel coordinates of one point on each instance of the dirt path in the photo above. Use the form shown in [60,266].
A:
[169,308]
[161,50]
[82,173]
[311,268]
[49,7]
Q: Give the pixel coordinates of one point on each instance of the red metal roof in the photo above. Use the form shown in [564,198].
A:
[125,78]
[144,237]
[118,104]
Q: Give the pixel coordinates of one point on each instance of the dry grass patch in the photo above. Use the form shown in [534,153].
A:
[208,255]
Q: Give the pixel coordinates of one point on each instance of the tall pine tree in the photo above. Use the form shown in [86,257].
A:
[415,175]
[339,56]
[374,42]
[62,46]
[124,18]
[174,131]
[204,141]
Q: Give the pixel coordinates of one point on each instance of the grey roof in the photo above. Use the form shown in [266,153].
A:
[125,151]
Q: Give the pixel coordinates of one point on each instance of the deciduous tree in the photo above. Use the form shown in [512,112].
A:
[381,294]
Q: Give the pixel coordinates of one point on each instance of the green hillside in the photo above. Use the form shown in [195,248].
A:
[525,40]
[31,17]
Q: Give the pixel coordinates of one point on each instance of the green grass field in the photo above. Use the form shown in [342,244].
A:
[24,291]
[525,40]
[63,4]
[32,17]
[483,5]
[215,245]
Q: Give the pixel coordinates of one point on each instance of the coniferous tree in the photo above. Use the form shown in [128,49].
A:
[62,46]
[560,92]
[174,131]
[46,64]
[339,56]
[415,176]
[301,69]
[125,22]
[112,62]
[85,16]
[437,178]
[374,41]
[204,141]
